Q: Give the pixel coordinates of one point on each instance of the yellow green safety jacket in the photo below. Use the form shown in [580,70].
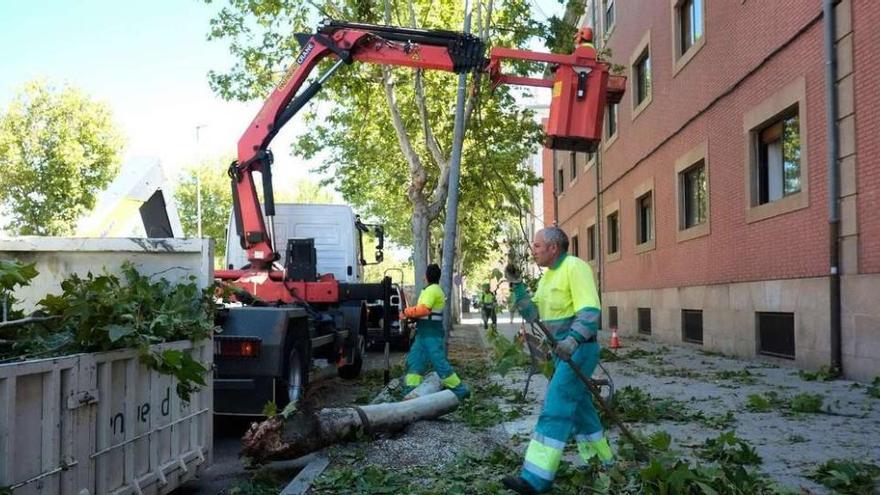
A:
[487,299]
[432,296]
[566,300]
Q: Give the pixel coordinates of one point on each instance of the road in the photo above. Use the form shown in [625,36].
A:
[228,468]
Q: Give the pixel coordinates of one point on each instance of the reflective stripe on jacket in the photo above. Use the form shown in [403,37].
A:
[432,297]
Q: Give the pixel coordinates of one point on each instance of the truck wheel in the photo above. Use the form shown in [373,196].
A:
[353,370]
[292,387]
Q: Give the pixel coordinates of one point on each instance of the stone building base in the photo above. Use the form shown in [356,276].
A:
[730,318]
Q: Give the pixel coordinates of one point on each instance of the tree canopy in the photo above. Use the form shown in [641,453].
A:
[59,148]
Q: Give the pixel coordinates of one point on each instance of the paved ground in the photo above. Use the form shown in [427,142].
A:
[789,444]
[228,467]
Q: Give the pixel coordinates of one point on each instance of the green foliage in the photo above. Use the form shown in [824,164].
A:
[667,473]
[719,421]
[506,354]
[763,403]
[106,312]
[360,481]
[727,448]
[846,476]
[216,195]
[800,403]
[638,353]
[633,404]
[873,390]
[806,403]
[262,483]
[606,355]
[561,31]
[58,148]
[743,376]
[13,274]
[823,374]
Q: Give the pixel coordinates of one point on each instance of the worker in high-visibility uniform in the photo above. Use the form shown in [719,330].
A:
[584,38]
[488,307]
[567,302]
[429,347]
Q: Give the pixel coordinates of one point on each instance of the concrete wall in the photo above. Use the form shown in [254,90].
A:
[57,258]
[729,320]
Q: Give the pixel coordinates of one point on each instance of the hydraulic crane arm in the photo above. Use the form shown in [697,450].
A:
[579,96]
[387,45]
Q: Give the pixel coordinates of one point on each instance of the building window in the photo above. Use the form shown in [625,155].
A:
[575,246]
[611,120]
[778,159]
[613,233]
[694,196]
[645,221]
[692,326]
[573,165]
[690,24]
[608,6]
[591,240]
[612,316]
[642,77]
[560,181]
[776,334]
[644,321]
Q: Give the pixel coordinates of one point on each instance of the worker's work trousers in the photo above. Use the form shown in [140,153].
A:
[568,411]
[489,314]
[429,349]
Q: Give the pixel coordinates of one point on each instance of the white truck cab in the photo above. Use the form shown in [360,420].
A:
[333,227]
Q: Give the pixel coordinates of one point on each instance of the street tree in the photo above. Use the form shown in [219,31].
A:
[216,198]
[58,148]
[388,131]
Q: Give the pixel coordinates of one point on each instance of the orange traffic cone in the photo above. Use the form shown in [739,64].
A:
[615,341]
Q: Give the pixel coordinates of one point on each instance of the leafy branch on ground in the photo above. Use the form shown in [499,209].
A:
[800,403]
[823,374]
[506,354]
[727,448]
[633,404]
[742,377]
[847,477]
[107,312]
[874,388]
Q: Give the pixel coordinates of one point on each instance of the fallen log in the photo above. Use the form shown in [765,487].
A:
[429,385]
[307,431]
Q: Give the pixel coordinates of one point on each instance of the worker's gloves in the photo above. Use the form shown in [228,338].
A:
[566,347]
[513,274]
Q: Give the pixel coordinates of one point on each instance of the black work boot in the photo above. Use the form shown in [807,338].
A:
[518,484]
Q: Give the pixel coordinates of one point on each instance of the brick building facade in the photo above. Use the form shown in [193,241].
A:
[711,226]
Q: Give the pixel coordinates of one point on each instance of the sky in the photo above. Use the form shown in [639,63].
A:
[148,60]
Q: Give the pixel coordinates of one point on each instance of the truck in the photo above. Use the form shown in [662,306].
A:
[289,312]
[268,353]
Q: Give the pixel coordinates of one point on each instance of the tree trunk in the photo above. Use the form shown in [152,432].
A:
[307,431]
[420,223]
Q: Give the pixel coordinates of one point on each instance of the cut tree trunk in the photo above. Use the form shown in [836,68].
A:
[307,431]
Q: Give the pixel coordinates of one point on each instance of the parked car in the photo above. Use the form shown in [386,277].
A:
[400,333]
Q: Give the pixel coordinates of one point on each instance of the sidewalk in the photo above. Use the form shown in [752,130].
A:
[715,393]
